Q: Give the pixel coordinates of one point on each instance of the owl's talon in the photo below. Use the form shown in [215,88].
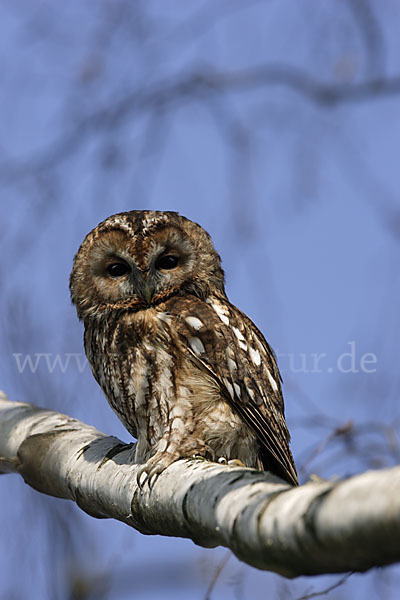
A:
[153,468]
[142,471]
[153,478]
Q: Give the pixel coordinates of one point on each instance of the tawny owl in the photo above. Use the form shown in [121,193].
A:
[186,371]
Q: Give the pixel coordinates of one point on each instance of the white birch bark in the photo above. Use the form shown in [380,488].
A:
[319,527]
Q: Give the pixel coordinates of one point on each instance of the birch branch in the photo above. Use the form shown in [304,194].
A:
[320,527]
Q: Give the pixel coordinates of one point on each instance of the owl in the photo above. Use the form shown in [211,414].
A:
[186,371]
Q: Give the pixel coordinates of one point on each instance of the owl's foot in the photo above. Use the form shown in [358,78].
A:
[167,452]
[151,469]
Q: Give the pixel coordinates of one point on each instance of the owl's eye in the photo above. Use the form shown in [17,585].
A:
[117,269]
[168,261]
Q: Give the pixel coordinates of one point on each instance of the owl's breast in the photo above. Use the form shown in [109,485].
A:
[130,359]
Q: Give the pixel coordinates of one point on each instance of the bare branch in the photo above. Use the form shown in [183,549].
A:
[322,527]
[196,86]
[374,41]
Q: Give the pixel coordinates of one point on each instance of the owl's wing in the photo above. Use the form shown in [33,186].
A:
[225,342]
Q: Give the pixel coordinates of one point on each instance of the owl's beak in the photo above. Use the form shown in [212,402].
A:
[143,288]
[148,293]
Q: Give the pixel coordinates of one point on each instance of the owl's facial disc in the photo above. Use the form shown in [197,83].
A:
[139,260]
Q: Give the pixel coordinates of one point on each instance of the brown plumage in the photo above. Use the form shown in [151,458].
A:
[186,371]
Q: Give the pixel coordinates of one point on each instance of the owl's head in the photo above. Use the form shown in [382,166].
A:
[138,259]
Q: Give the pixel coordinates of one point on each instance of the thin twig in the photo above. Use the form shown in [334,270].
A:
[217,573]
[341,581]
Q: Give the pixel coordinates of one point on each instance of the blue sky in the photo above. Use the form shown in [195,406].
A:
[301,200]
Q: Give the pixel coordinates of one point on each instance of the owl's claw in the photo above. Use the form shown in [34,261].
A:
[153,477]
[149,477]
[149,471]
[142,471]
[153,468]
